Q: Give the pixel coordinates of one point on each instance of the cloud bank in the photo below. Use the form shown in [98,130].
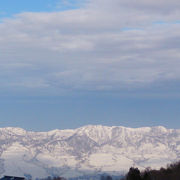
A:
[102,46]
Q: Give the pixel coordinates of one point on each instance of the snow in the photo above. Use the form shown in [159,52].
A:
[110,162]
[14,130]
[16,154]
[57,161]
[103,149]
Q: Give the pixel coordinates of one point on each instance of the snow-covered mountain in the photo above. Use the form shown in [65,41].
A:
[86,150]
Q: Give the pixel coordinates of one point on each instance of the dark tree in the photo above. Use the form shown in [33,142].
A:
[108,178]
[172,172]
[133,174]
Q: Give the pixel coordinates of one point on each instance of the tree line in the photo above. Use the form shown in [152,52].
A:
[172,172]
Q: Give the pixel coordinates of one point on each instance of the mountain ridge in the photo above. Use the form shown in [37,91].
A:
[86,150]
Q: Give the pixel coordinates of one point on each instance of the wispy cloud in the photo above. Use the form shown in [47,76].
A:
[70,4]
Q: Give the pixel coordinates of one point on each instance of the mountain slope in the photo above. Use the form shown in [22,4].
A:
[86,150]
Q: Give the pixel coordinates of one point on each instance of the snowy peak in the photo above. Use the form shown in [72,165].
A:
[99,134]
[86,150]
[13,130]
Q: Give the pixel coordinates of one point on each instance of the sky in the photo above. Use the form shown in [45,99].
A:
[70,63]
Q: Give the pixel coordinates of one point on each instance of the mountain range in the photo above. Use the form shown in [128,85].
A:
[88,150]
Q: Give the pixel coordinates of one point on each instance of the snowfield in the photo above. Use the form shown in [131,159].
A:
[86,150]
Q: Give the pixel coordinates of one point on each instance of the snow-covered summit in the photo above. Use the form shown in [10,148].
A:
[13,130]
[86,150]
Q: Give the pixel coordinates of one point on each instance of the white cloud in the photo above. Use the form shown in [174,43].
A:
[105,45]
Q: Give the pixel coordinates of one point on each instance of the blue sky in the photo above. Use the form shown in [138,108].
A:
[9,8]
[65,64]
[42,114]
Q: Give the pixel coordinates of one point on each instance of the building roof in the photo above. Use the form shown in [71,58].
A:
[12,178]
